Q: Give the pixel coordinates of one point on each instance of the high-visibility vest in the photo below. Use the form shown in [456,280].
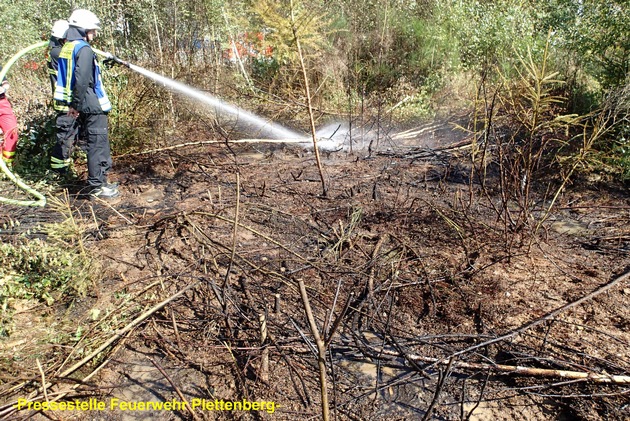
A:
[57,105]
[66,78]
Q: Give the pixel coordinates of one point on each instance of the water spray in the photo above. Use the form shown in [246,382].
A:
[268,131]
[266,128]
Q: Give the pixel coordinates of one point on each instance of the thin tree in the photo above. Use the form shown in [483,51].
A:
[307,91]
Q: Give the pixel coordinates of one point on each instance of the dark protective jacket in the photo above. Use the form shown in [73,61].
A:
[53,59]
[79,77]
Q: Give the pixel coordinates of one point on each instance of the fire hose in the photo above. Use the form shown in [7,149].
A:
[41,199]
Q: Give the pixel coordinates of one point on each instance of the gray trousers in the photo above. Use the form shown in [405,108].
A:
[99,159]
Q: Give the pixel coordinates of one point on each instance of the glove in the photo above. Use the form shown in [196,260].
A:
[3,90]
[111,60]
[108,61]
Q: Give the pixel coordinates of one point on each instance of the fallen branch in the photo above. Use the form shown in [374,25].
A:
[11,406]
[103,319]
[530,371]
[127,328]
[548,316]
[7,410]
[518,370]
[213,142]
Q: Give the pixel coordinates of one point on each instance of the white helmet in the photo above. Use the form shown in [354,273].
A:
[84,19]
[59,29]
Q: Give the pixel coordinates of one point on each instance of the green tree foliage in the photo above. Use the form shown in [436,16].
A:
[493,33]
[315,28]
[604,39]
[23,25]
[596,32]
[409,39]
[312,27]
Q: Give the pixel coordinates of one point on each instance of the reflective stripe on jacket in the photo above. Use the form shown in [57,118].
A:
[53,59]
[67,79]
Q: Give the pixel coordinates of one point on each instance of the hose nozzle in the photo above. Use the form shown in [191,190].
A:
[111,59]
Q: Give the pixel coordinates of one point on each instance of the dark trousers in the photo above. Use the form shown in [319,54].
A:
[67,131]
[94,128]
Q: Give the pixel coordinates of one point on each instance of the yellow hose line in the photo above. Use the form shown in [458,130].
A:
[21,184]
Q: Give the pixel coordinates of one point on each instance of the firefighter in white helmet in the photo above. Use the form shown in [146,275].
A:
[66,134]
[79,86]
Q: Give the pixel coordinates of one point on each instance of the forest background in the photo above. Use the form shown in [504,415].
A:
[404,61]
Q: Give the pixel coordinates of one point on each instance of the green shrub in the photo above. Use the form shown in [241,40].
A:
[618,156]
[36,270]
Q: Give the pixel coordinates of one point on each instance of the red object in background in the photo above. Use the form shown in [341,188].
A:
[31,65]
[248,45]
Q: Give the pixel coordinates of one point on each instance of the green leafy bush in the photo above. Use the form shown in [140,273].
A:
[34,269]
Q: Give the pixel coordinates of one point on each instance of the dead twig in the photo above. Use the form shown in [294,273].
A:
[321,350]
[548,316]
[438,390]
[235,229]
[307,91]
[477,402]
[41,370]
[264,363]
[518,370]
[175,329]
[339,319]
[174,386]
[368,294]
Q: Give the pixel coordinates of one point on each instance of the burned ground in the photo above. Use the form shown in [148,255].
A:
[404,268]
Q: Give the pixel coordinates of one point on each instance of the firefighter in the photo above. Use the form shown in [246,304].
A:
[66,130]
[8,125]
[79,86]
